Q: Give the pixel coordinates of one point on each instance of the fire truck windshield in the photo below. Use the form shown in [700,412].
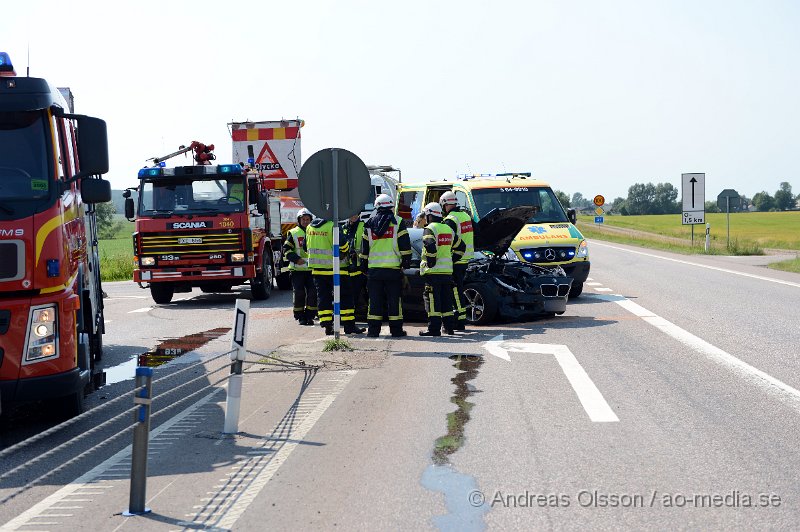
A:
[192,196]
[24,168]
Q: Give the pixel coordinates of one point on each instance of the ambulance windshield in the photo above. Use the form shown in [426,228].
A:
[24,173]
[490,199]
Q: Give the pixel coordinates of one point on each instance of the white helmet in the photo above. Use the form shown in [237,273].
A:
[432,209]
[384,201]
[304,212]
[448,198]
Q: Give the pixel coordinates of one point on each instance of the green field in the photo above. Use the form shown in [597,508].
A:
[116,255]
[777,230]
[750,233]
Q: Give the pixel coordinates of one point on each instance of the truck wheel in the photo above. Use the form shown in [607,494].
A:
[576,290]
[261,285]
[71,405]
[284,281]
[162,292]
[96,346]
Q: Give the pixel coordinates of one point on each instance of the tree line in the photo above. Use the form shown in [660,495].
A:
[662,198]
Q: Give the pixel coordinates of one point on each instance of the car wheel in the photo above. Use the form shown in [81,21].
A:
[481,304]
[162,292]
[576,290]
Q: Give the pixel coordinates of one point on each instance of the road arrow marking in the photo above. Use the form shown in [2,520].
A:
[494,348]
[590,397]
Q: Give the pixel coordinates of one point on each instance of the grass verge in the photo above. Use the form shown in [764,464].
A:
[656,241]
[792,265]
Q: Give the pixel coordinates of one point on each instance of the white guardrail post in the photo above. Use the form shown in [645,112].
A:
[141,437]
[239,347]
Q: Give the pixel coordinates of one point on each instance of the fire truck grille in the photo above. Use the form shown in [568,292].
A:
[191,243]
[12,260]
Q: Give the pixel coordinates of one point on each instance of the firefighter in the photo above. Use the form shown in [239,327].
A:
[461,224]
[304,293]
[319,242]
[385,252]
[354,231]
[440,248]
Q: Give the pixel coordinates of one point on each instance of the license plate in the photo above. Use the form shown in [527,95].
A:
[190,241]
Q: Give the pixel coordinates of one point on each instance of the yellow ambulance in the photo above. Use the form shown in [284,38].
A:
[550,238]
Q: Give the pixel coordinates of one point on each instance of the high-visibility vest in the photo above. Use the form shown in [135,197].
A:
[297,238]
[444,250]
[463,222]
[384,251]
[319,242]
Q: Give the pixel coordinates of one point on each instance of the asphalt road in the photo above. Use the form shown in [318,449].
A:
[667,395]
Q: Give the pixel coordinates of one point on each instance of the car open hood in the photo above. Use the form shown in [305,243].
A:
[495,231]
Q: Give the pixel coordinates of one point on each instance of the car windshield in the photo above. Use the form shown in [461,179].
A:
[490,199]
[192,196]
[24,171]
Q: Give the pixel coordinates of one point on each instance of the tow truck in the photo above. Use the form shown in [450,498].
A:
[207,226]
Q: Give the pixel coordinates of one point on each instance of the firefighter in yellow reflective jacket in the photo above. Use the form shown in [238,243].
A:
[385,252]
[319,242]
[353,232]
[304,293]
[441,247]
[461,224]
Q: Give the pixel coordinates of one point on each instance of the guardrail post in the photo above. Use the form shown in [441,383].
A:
[142,397]
[239,348]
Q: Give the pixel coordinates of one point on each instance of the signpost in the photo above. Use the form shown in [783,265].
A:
[693,187]
[727,196]
[334,184]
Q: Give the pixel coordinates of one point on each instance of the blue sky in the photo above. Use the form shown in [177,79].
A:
[590,96]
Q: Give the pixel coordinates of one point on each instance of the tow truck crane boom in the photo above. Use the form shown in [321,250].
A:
[202,153]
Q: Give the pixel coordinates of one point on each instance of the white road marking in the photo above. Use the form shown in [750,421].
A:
[590,397]
[755,376]
[145,309]
[126,297]
[593,284]
[89,480]
[599,289]
[251,474]
[717,268]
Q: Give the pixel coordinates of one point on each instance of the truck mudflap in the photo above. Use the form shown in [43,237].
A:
[45,387]
[243,272]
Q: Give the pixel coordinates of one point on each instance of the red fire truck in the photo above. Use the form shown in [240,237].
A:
[51,307]
[207,226]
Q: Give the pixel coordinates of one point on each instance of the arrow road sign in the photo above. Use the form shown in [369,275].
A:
[693,187]
[590,397]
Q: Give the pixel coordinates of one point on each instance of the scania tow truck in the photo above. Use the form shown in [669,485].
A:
[51,306]
[207,226]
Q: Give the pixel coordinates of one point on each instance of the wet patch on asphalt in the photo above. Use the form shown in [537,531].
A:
[464,511]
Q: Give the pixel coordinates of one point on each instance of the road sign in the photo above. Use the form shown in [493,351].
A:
[693,188]
[598,219]
[728,198]
[599,200]
[598,211]
[316,183]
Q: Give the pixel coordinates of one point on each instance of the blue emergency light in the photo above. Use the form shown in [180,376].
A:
[251,161]
[150,172]
[5,63]
[229,169]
